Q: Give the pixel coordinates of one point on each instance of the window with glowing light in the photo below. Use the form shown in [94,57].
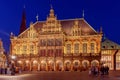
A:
[31,49]
[92,47]
[76,48]
[84,47]
[68,48]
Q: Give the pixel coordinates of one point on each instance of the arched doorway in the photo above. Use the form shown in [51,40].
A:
[67,65]
[35,65]
[76,65]
[51,65]
[27,65]
[20,65]
[85,65]
[59,65]
[43,66]
[95,63]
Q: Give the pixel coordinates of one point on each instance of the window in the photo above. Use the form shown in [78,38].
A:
[92,48]
[31,49]
[58,42]
[76,48]
[50,42]
[84,47]
[24,49]
[68,48]
[18,50]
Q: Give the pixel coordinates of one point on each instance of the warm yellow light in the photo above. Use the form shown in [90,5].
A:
[19,62]
[27,61]
[13,57]
[34,62]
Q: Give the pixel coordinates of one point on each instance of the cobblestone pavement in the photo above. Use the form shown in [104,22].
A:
[114,75]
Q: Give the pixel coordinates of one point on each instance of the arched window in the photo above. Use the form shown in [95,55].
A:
[76,48]
[84,47]
[68,46]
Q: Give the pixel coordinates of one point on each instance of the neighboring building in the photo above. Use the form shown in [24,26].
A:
[70,44]
[2,56]
[110,54]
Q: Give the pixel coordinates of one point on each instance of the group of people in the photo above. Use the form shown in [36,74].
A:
[8,70]
[95,70]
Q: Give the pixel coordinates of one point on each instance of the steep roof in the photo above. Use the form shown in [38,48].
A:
[23,22]
[68,24]
[108,44]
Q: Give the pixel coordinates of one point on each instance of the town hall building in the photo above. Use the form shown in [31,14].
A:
[57,45]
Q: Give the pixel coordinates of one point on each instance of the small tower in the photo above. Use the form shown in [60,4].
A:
[23,22]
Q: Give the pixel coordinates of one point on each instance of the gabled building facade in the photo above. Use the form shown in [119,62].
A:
[59,45]
[110,54]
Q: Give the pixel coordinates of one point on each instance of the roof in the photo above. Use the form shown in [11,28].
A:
[68,24]
[108,44]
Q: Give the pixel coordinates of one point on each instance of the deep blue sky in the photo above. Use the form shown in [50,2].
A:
[105,13]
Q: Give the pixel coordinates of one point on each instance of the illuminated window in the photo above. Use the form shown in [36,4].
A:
[31,49]
[92,47]
[58,42]
[76,48]
[50,42]
[68,48]
[24,49]
[84,47]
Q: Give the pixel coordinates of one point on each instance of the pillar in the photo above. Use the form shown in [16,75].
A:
[71,65]
[38,66]
[30,66]
[46,66]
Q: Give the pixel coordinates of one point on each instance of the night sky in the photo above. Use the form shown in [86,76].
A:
[105,13]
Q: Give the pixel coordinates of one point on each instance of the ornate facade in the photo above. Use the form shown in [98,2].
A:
[57,45]
[3,59]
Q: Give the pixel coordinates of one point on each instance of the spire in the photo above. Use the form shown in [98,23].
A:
[23,22]
[37,17]
[51,14]
[83,15]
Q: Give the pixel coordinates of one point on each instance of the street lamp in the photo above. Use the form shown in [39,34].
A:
[13,57]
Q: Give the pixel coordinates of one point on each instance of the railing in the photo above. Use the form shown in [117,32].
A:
[82,54]
[69,54]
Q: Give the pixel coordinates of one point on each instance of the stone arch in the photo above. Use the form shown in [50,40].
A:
[67,65]
[76,65]
[35,65]
[59,65]
[94,63]
[20,65]
[85,64]
[43,65]
[51,65]
[27,65]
